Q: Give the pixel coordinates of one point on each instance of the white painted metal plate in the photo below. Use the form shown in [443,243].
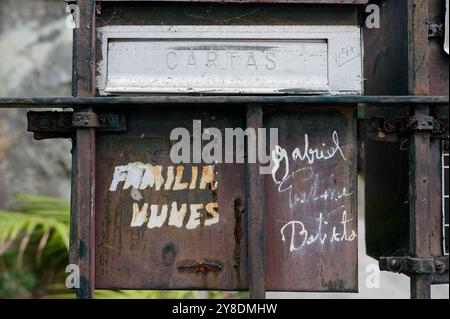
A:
[230,59]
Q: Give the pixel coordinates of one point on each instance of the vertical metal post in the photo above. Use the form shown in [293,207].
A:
[419,204]
[419,144]
[85,178]
[255,204]
[84,149]
[418,53]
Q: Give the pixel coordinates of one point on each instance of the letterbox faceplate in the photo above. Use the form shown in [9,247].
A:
[230,59]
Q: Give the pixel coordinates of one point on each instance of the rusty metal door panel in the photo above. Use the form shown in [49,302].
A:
[135,249]
[175,13]
[311,207]
[169,256]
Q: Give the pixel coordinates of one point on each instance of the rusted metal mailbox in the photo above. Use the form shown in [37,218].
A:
[142,221]
[214,145]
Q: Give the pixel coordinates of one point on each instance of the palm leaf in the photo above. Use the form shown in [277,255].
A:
[41,218]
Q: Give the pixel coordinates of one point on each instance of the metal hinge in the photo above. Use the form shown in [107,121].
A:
[390,129]
[409,265]
[436,30]
[46,125]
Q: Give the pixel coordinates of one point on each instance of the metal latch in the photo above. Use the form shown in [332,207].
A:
[436,30]
[410,265]
[389,129]
[46,125]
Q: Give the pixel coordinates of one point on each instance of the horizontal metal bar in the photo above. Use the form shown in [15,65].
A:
[148,101]
[354,2]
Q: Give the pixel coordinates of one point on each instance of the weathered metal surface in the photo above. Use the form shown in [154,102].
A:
[255,197]
[204,249]
[418,53]
[202,266]
[419,204]
[427,78]
[140,246]
[397,128]
[310,202]
[439,84]
[438,66]
[82,235]
[85,178]
[188,13]
[61,124]
[255,1]
[380,102]
[230,59]
[411,266]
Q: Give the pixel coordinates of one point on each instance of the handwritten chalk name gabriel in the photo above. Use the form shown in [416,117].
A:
[309,155]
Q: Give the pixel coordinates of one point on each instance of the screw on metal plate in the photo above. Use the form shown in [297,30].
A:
[439,266]
[44,122]
[435,30]
[67,122]
[423,123]
[395,265]
[109,120]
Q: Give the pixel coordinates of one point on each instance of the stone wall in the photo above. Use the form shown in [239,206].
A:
[35,60]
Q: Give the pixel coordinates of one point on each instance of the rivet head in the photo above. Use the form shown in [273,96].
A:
[44,122]
[395,265]
[439,266]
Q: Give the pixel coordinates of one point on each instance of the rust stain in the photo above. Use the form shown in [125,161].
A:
[201,266]
[237,237]
[168,254]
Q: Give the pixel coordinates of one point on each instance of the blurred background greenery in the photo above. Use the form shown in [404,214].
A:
[34,253]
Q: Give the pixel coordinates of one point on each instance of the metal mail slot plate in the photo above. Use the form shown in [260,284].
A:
[230,59]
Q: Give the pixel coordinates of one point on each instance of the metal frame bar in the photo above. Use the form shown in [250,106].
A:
[156,100]
[83,210]
[255,205]
[332,2]
[419,205]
